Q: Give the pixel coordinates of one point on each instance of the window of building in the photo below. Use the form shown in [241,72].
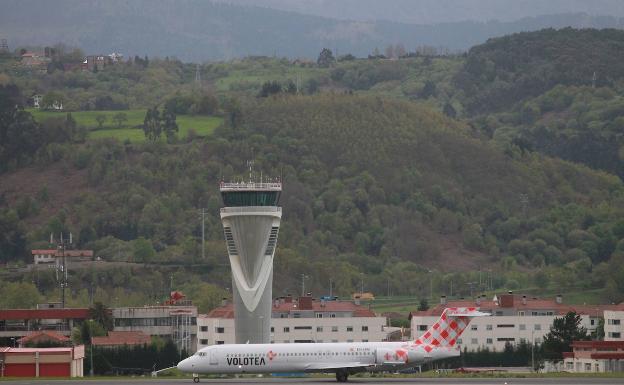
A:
[220,329]
[334,328]
[569,365]
[522,340]
[272,329]
[203,341]
[334,340]
[522,327]
[488,327]
[220,342]
[459,341]
[473,327]
[349,328]
[286,329]
[349,340]
[521,313]
[505,325]
[615,335]
[505,339]
[319,329]
[364,328]
[613,321]
[333,315]
[203,328]
[592,322]
[474,341]
[550,313]
[364,340]
[533,313]
[537,327]
[422,328]
[319,315]
[296,315]
[488,341]
[588,367]
[499,312]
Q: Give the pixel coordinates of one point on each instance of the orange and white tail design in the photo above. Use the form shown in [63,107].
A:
[449,327]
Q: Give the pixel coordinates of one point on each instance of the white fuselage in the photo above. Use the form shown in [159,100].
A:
[313,357]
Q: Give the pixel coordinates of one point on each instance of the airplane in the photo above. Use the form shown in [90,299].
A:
[343,358]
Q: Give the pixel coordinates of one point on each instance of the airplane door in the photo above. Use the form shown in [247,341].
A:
[213,357]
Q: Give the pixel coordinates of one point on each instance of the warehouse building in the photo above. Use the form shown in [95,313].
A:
[42,362]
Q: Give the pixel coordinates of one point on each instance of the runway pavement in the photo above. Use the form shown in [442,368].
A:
[331,380]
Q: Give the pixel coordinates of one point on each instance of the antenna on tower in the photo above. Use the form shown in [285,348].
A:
[250,164]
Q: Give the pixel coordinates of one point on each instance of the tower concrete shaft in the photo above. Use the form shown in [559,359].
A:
[251,221]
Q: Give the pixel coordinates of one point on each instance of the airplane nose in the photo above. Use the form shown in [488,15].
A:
[185,365]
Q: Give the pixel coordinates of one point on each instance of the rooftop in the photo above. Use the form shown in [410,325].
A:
[250,186]
[24,314]
[227,311]
[518,303]
[122,338]
[43,333]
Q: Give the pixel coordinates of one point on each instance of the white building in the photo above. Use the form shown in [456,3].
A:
[55,257]
[300,321]
[515,319]
[614,325]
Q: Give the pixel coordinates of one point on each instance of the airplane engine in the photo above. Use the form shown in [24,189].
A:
[415,356]
[391,356]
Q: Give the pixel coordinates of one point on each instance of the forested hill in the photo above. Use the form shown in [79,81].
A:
[375,186]
[512,68]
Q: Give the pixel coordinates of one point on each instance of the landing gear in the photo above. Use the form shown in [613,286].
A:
[195,378]
[342,376]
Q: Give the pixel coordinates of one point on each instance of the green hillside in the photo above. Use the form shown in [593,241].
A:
[392,176]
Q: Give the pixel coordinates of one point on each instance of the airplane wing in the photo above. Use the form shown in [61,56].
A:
[324,366]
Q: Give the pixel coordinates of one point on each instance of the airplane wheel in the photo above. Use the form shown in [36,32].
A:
[196,379]
[342,376]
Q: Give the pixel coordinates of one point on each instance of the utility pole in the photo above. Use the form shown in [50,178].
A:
[61,246]
[203,215]
[330,288]
[303,278]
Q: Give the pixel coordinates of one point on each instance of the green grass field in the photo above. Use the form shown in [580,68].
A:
[130,129]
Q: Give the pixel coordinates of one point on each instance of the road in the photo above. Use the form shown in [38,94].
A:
[331,380]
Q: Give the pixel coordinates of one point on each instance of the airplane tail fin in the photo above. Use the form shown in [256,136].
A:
[449,326]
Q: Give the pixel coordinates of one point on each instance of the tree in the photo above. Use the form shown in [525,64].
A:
[152,125]
[326,58]
[270,88]
[449,110]
[52,100]
[102,315]
[169,124]
[563,331]
[100,119]
[143,250]
[120,118]
[423,305]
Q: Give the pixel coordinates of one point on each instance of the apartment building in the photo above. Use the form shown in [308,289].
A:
[515,319]
[614,325]
[302,320]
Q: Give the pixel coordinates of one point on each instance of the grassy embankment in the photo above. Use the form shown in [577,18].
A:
[130,129]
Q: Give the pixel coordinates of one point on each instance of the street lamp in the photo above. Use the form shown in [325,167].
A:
[533,349]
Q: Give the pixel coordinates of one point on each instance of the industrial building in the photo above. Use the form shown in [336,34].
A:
[42,362]
[515,319]
[299,321]
[17,323]
[175,320]
[251,223]
[55,256]
[594,357]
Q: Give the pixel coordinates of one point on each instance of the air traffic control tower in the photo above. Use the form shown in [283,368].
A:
[251,222]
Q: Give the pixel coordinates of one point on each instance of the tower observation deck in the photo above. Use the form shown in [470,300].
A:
[251,222]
